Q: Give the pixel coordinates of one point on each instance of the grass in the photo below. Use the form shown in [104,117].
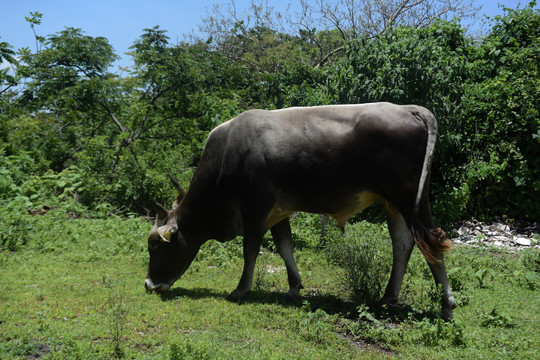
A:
[73,289]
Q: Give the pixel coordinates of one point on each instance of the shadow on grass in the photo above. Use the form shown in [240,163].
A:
[331,304]
[196,293]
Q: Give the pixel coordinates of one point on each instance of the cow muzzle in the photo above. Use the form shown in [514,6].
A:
[157,288]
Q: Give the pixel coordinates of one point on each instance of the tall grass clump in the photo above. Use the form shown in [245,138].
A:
[364,255]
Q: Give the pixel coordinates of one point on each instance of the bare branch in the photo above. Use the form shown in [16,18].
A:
[112,116]
[330,54]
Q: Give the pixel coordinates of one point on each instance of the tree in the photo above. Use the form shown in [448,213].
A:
[8,81]
[7,59]
[68,87]
[500,123]
[326,25]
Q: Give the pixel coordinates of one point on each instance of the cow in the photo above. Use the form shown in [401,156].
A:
[264,165]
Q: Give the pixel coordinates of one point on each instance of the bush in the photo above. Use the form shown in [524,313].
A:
[530,259]
[364,259]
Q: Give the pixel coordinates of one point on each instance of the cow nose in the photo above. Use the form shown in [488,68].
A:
[151,287]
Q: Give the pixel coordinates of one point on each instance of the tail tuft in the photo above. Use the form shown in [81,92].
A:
[431,242]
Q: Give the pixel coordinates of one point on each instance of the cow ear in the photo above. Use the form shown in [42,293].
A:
[162,214]
[169,228]
[166,231]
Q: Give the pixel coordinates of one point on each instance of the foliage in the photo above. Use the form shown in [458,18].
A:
[315,325]
[122,134]
[531,259]
[99,311]
[497,319]
[365,261]
[498,141]
[84,149]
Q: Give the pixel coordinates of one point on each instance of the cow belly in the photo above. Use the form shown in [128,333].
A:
[278,212]
[339,210]
[358,203]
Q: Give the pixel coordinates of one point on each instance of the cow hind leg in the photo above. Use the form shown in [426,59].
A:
[281,232]
[434,240]
[438,270]
[402,245]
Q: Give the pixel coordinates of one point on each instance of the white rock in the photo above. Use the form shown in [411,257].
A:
[523,241]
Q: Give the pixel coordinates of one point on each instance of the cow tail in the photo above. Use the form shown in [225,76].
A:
[429,240]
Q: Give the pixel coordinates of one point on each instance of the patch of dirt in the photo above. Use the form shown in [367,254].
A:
[41,211]
[41,350]
[365,345]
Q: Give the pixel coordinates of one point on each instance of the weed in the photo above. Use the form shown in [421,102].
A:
[456,278]
[185,350]
[366,315]
[366,263]
[497,318]
[530,258]
[433,332]
[260,279]
[527,279]
[14,233]
[483,274]
[117,317]
[313,325]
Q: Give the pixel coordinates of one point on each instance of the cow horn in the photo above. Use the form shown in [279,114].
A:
[176,184]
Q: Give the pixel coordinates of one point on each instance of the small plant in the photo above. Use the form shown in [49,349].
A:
[187,351]
[528,279]
[261,279]
[433,332]
[366,315]
[483,274]
[366,263]
[313,324]
[117,315]
[497,318]
[530,259]
[456,278]
[14,234]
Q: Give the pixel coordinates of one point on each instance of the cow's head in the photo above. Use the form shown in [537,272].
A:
[170,252]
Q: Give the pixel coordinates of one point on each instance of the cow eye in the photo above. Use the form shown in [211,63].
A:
[153,245]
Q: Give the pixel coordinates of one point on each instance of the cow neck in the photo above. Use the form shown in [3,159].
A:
[193,220]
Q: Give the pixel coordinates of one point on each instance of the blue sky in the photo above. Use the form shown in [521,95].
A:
[121,22]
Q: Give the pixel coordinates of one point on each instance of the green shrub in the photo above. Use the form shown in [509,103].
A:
[530,259]
[186,350]
[313,325]
[497,318]
[364,259]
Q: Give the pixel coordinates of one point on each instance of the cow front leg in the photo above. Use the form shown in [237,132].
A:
[438,269]
[252,245]
[402,245]
[281,232]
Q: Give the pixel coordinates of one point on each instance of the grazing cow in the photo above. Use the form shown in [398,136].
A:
[262,166]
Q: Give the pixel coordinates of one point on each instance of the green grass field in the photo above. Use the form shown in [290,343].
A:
[73,289]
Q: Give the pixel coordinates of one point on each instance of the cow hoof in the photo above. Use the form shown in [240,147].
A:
[447,315]
[388,300]
[294,293]
[447,308]
[237,295]
[293,296]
